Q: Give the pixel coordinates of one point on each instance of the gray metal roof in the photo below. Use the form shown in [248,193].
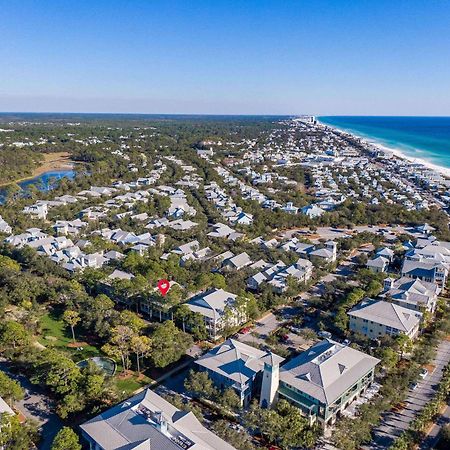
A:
[234,360]
[326,370]
[135,423]
[388,314]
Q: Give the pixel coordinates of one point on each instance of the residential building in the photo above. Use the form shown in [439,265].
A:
[217,308]
[324,380]
[431,272]
[412,293]
[376,318]
[148,422]
[235,365]
[379,264]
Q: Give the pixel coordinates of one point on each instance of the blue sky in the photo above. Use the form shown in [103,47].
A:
[226,57]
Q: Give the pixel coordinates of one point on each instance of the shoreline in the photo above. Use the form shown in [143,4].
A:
[398,153]
[52,162]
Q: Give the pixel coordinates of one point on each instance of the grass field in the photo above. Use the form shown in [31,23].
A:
[55,334]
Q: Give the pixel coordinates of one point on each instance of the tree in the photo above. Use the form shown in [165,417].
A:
[71,318]
[119,345]
[57,371]
[238,439]
[16,436]
[199,384]
[13,336]
[141,346]
[229,399]
[169,344]
[10,390]
[66,439]
[403,343]
[182,313]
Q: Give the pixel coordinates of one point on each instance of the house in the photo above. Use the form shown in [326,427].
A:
[213,306]
[221,230]
[431,272]
[386,252]
[290,208]
[184,249]
[147,421]
[5,408]
[312,211]
[4,227]
[40,211]
[410,293]
[378,264]
[376,318]
[328,253]
[243,219]
[425,229]
[237,262]
[235,365]
[322,381]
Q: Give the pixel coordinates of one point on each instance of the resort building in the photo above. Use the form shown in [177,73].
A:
[376,318]
[324,380]
[416,295]
[148,422]
[235,365]
[213,306]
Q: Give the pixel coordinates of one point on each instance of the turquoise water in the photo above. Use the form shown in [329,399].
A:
[426,138]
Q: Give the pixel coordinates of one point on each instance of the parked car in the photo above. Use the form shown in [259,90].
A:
[413,386]
[295,329]
[423,373]
[245,330]
[325,334]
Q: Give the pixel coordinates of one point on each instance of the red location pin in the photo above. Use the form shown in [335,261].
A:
[163,286]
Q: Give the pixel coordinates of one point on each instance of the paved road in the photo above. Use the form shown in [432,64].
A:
[431,440]
[394,423]
[336,233]
[37,406]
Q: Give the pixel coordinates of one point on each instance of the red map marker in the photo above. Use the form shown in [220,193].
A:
[163,286]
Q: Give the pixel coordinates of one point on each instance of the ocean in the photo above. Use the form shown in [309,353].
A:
[424,138]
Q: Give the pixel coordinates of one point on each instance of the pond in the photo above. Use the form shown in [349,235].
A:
[44,182]
[106,364]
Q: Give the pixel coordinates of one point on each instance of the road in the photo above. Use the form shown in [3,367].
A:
[336,233]
[394,423]
[433,436]
[37,406]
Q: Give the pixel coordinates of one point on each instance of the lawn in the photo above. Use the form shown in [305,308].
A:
[56,334]
[131,384]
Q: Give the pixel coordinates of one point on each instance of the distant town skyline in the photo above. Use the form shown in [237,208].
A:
[226,57]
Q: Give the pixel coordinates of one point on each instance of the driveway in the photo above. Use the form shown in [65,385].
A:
[37,406]
[394,423]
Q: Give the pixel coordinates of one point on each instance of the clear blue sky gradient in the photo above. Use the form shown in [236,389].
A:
[226,57]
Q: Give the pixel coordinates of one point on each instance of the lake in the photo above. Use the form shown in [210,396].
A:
[44,182]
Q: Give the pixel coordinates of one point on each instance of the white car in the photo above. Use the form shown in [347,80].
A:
[423,373]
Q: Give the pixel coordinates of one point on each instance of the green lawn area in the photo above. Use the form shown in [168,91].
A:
[56,334]
[129,385]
